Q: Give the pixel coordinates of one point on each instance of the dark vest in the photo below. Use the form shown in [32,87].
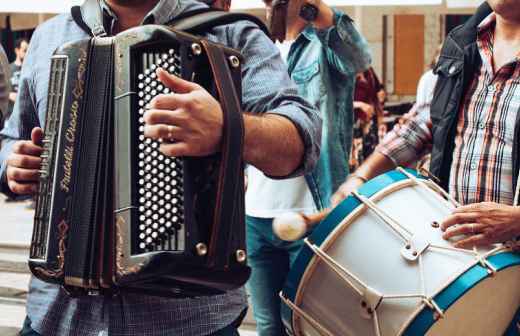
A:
[458,62]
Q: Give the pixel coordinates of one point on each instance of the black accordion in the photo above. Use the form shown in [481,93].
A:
[113,213]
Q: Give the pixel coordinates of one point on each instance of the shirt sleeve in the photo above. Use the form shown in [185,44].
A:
[267,88]
[347,50]
[409,142]
[23,118]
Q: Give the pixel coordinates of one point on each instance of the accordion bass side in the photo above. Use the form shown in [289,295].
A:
[115,214]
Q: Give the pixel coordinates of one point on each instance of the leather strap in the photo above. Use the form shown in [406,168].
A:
[230,183]
[89,17]
[200,21]
[93,17]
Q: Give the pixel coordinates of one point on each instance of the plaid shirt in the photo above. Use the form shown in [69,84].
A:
[50,309]
[482,166]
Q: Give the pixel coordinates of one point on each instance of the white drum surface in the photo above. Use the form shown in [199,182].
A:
[371,250]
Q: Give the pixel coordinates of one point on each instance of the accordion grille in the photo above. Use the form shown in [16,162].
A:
[160,178]
[44,207]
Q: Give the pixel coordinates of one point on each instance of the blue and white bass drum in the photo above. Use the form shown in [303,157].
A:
[378,266]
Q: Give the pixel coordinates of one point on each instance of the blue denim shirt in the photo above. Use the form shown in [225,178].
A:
[324,64]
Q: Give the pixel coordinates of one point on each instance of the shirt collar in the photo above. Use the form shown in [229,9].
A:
[162,13]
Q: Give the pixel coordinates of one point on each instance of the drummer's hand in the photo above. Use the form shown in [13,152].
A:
[23,164]
[482,224]
[352,183]
[190,120]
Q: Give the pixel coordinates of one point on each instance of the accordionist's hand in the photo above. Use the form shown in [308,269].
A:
[23,164]
[188,121]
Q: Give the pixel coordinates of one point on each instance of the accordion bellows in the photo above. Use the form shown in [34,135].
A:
[115,214]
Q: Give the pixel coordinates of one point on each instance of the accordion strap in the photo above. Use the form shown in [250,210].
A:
[230,184]
[89,17]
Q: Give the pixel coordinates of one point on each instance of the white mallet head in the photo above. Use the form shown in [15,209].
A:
[290,226]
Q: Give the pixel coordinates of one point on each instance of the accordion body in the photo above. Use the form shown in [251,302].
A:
[115,214]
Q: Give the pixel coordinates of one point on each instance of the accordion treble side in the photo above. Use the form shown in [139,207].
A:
[113,213]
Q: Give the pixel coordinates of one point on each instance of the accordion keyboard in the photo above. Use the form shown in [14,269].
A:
[160,180]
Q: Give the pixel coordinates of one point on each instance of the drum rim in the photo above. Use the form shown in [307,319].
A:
[423,319]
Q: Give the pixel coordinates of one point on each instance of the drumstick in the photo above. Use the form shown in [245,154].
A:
[293,226]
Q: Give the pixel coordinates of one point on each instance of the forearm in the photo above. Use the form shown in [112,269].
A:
[272,144]
[375,165]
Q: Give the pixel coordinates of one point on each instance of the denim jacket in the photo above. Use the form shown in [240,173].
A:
[324,64]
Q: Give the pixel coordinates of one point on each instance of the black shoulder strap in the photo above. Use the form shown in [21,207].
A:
[89,17]
[201,20]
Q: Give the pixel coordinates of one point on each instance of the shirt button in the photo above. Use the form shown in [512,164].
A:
[473,166]
[491,88]
[481,125]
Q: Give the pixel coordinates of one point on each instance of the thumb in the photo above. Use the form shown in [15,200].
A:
[174,83]
[37,136]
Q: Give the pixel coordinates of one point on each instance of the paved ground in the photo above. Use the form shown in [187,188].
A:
[15,235]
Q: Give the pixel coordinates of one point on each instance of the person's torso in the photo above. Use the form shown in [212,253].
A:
[475,118]
[53,312]
[331,92]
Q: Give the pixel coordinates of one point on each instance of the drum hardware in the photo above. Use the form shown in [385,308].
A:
[427,173]
[315,324]
[337,268]
[393,224]
[436,188]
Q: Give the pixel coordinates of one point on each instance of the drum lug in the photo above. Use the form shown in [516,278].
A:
[415,246]
[370,302]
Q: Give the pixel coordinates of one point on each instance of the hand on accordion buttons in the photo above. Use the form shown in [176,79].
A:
[24,163]
[189,120]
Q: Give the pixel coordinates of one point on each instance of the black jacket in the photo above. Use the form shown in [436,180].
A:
[458,62]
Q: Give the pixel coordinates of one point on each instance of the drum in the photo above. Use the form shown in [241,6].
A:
[377,265]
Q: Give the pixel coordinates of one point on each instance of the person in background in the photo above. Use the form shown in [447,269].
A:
[20,49]
[369,116]
[470,129]
[4,86]
[324,52]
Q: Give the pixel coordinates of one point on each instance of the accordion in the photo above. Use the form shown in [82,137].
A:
[113,213]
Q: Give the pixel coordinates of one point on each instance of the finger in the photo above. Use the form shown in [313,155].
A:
[22,175]
[37,136]
[24,161]
[468,208]
[165,132]
[476,240]
[168,117]
[27,148]
[466,229]
[178,149]
[174,83]
[170,101]
[459,218]
[23,188]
